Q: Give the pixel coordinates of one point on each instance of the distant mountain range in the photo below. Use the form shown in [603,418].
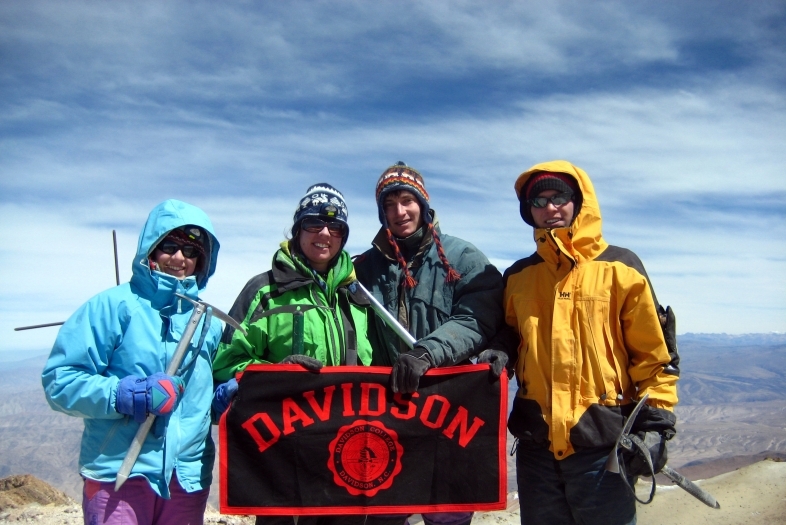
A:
[732,411]
[722,368]
[771,338]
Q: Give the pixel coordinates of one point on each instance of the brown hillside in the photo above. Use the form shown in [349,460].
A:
[20,491]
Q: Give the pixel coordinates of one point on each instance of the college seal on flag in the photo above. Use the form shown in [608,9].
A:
[365,456]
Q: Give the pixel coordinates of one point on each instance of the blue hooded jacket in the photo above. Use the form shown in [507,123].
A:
[133,329]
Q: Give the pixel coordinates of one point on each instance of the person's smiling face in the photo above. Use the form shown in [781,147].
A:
[552,215]
[402,211]
[175,264]
[319,247]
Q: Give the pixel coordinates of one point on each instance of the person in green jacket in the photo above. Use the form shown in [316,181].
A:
[310,269]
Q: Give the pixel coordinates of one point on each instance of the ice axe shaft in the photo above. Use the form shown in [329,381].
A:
[389,320]
[144,429]
[690,487]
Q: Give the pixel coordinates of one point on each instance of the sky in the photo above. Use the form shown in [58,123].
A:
[676,110]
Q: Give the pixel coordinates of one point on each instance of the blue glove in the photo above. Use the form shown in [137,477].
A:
[157,394]
[223,396]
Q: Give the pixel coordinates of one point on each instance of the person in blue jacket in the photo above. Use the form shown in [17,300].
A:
[107,367]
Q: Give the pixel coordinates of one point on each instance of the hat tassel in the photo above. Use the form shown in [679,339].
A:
[452,275]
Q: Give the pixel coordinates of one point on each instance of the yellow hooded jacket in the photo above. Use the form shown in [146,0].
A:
[590,340]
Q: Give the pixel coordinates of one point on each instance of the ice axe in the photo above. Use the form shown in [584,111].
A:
[632,443]
[136,445]
[388,318]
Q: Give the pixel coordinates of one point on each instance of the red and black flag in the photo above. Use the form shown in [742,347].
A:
[340,442]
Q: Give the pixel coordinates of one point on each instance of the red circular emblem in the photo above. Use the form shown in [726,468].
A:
[365,456]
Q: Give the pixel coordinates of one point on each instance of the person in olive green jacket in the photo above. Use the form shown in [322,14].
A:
[442,289]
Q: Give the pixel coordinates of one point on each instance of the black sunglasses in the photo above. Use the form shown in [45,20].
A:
[336,229]
[559,199]
[170,247]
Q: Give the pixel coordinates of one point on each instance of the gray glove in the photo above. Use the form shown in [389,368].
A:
[408,369]
[636,463]
[496,358]
[309,363]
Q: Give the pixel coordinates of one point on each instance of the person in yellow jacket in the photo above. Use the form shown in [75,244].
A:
[590,344]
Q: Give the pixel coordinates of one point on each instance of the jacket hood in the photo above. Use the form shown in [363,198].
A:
[164,218]
[583,239]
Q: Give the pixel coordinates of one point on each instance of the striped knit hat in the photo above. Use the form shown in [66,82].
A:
[324,202]
[401,177]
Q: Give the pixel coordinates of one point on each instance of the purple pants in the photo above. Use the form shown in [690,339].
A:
[137,504]
[429,518]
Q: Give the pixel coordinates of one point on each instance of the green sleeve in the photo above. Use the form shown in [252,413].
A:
[242,351]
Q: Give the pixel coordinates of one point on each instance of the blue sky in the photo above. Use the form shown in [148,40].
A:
[676,110]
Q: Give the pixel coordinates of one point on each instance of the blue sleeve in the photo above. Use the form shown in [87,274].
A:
[75,378]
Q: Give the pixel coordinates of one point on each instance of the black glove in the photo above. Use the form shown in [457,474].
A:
[668,322]
[635,462]
[408,369]
[496,358]
[660,420]
[309,363]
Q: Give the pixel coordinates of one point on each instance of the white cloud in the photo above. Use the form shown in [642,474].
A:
[111,108]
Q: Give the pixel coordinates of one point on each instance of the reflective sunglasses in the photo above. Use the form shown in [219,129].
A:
[170,247]
[560,199]
[336,229]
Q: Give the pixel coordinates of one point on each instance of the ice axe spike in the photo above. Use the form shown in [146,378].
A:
[144,429]
[216,312]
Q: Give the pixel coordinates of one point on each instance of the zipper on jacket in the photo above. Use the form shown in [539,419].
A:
[597,364]
[335,333]
[559,252]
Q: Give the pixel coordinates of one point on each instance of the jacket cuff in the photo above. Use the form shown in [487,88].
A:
[421,352]
[652,419]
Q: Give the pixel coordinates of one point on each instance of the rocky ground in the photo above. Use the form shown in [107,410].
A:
[752,494]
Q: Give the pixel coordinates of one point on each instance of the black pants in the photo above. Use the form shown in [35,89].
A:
[576,490]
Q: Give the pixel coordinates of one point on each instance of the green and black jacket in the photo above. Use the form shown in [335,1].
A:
[334,331]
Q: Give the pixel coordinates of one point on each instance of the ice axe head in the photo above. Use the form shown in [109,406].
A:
[613,464]
[216,312]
